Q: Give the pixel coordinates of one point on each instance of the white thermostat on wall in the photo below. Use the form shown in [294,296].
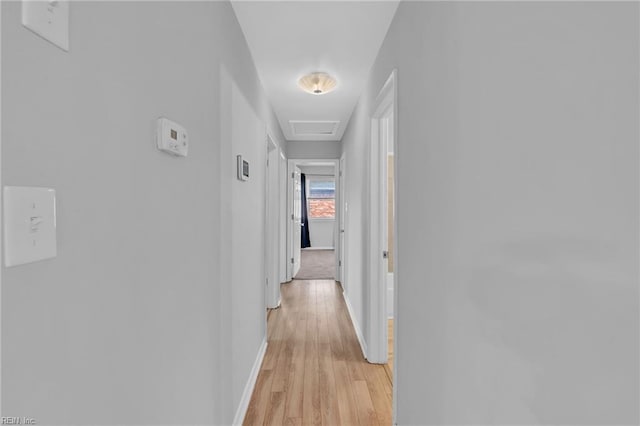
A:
[243,168]
[172,138]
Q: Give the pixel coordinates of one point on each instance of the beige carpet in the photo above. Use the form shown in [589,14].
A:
[316,264]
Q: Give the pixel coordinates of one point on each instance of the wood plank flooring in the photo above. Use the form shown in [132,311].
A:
[313,371]
[389,365]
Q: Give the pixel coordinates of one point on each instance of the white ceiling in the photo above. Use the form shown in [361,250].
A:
[289,39]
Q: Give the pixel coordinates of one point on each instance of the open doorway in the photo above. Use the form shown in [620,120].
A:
[314,219]
[272,225]
[387,140]
[382,261]
[342,218]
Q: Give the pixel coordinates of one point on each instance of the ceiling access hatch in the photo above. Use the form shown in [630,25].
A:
[314,128]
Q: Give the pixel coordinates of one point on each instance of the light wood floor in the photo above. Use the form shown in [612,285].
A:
[313,371]
[388,367]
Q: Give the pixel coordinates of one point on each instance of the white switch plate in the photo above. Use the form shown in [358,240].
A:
[48,19]
[29,224]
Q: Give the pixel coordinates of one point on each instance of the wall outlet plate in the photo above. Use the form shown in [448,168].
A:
[29,224]
[48,19]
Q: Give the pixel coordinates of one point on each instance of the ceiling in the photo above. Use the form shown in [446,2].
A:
[289,39]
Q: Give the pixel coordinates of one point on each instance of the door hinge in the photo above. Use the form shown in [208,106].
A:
[292,260]
[267,282]
[291,216]
[339,262]
[385,254]
[293,175]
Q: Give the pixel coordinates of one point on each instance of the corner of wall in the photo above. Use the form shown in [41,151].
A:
[356,325]
[241,411]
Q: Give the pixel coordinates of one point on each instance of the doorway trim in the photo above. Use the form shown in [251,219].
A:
[292,164]
[341,220]
[1,213]
[282,217]
[272,237]
[377,340]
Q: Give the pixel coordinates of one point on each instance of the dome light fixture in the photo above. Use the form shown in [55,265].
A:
[317,83]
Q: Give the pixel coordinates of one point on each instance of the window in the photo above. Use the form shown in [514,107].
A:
[322,199]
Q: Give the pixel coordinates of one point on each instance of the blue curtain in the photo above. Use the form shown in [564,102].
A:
[306,241]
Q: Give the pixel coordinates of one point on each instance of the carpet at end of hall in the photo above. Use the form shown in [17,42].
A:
[316,264]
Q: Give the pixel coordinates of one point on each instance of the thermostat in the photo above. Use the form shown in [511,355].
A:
[172,138]
[243,168]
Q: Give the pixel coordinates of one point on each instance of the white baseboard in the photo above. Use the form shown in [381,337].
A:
[251,383]
[356,326]
[318,248]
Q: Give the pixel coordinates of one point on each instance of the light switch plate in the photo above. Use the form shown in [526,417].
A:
[29,224]
[48,19]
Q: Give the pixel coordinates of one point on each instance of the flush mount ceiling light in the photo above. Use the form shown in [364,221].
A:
[317,83]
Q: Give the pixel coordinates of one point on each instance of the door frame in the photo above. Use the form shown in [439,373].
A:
[291,171]
[1,213]
[292,164]
[377,345]
[282,216]
[271,256]
[341,220]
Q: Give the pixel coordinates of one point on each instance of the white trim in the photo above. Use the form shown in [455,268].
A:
[241,412]
[271,234]
[340,236]
[356,326]
[318,248]
[394,384]
[292,168]
[292,163]
[386,102]
[1,219]
[283,217]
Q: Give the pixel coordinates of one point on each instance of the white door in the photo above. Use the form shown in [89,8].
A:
[272,240]
[282,219]
[297,221]
[342,220]
[382,135]
[388,205]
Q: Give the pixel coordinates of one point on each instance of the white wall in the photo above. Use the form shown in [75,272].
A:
[246,248]
[321,233]
[517,211]
[131,322]
[313,149]
[317,169]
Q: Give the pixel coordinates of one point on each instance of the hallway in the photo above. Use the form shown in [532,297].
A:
[152,156]
[313,371]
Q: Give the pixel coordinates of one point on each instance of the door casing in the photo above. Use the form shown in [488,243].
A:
[292,164]
[385,108]
[272,252]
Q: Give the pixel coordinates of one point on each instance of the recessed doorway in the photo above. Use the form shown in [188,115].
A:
[314,187]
